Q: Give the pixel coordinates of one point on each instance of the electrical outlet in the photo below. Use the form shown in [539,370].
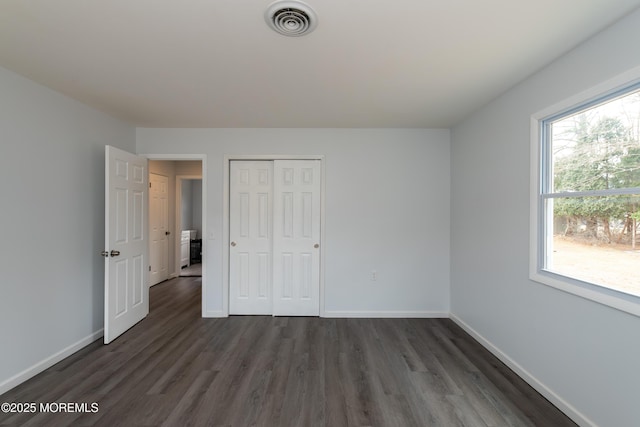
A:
[374,275]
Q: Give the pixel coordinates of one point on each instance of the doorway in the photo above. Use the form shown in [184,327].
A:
[173,170]
[189,221]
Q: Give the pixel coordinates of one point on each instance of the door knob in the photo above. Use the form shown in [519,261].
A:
[115,253]
[166,233]
[104,254]
[233,243]
[316,246]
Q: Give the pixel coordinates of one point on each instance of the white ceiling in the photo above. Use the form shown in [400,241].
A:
[215,63]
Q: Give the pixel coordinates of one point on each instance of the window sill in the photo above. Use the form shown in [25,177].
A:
[614,299]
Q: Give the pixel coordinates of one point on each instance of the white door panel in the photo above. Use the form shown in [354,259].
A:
[250,237]
[126,265]
[158,228]
[296,238]
[274,237]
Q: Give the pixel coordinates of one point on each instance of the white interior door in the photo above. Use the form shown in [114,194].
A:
[126,299]
[296,238]
[250,231]
[158,228]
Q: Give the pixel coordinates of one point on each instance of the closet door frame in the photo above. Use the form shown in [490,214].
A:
[228,158]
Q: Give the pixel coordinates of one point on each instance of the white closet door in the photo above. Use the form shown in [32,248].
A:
[250,237]
[296,231]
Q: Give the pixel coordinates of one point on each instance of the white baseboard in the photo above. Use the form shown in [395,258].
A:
[214,313]
[169,277]
[385,314]
[359,314]
[540,387]
[48,362]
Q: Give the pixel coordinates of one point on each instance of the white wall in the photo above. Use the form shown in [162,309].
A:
[52,216]
[196,206]
[582,355]
[191,209]
[185,216]
[189,167]
[387,208]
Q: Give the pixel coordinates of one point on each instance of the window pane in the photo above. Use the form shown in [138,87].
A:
[598,148]
[594,239]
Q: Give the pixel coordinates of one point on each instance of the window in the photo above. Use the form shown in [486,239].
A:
[586,197]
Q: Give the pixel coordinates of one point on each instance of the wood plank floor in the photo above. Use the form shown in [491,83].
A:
[176,369]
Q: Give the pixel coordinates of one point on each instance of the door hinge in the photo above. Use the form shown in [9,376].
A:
[149,268]
[149,185]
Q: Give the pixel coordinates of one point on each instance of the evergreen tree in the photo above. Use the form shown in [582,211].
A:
[599,157]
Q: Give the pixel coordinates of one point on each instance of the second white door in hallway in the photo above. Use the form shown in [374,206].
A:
[274,237]
[158,228]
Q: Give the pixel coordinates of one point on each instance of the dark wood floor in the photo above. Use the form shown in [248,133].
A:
[176,369]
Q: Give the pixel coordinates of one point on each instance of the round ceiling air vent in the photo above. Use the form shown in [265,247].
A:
[291,18]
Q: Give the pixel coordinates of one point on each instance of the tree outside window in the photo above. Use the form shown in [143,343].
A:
[591,194]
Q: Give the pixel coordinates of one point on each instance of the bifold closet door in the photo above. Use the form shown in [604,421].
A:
[250,237]
[274,237]
[296,238]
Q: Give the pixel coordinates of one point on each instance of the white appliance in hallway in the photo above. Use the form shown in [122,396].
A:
[185,246]
[184,249]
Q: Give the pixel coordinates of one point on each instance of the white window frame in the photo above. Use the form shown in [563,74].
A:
[539,159]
